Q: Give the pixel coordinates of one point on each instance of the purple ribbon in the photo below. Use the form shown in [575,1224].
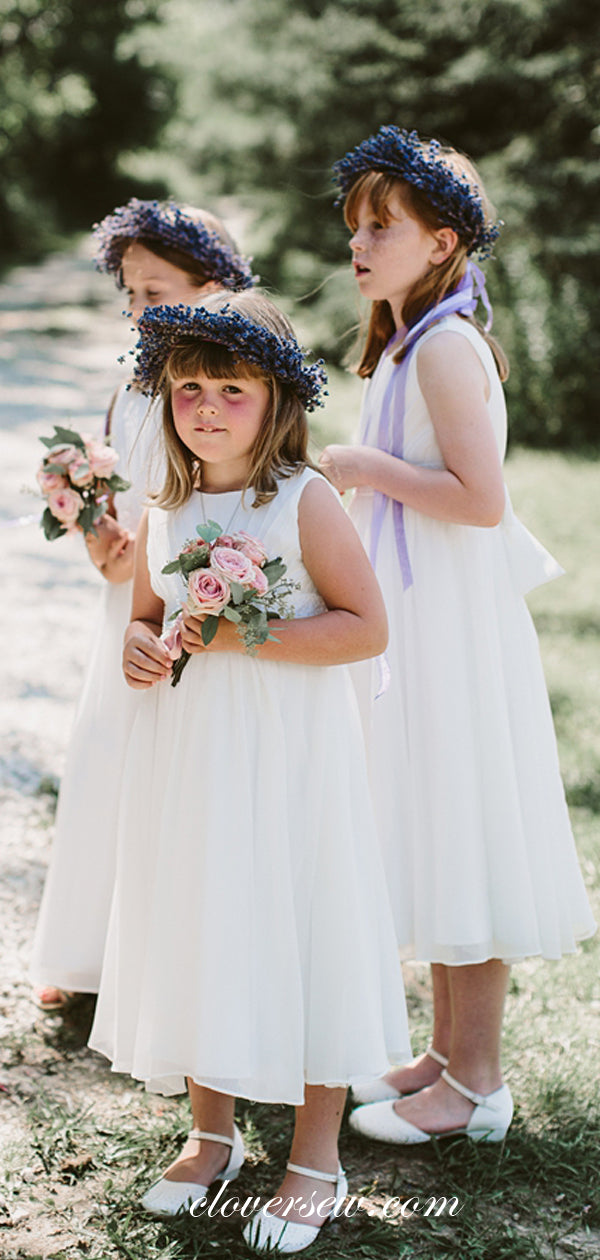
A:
[390,436]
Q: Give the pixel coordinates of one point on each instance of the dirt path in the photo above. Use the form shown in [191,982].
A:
[60,337]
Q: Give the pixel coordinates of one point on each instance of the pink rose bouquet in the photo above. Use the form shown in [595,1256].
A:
[76,478]
[227,575]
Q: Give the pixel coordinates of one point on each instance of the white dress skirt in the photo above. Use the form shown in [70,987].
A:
[251,943]
[472,816]
[71,928]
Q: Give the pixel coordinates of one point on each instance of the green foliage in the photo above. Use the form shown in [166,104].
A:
[254,99]
[515,83]
[72,99]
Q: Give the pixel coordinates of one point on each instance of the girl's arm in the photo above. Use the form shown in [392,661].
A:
[355,625]
[145,659]
[470,489]
[112,549]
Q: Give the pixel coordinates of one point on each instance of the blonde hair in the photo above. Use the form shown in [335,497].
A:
[378,189]
[281,447]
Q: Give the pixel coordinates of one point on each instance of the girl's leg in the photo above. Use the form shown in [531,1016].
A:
[477,992]
[315,1145]
[202,1161]
[425,1070]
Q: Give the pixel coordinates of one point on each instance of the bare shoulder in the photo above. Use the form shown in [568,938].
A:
[319,505]
[447,357]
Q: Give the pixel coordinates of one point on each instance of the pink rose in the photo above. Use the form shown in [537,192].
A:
[208,592]
[80,472]
[65,505]
[172,639]
[102,459]
[260,581]
[63,455]
[232,565]
[50,481]
[250,547]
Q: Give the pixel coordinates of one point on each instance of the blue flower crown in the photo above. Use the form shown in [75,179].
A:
[161,328]
[166,222]
[404,155]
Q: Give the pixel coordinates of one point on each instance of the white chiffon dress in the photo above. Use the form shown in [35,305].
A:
[471,810]
[251,944]
[71,927]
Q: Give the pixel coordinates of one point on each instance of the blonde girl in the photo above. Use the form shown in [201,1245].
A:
[251,948]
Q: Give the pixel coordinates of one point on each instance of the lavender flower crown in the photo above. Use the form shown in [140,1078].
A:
[161,328]
[166,222]
[421,163]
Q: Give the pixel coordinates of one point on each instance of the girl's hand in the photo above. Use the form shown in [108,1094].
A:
[226,639]
[112,550]
[343,466]
[145,659]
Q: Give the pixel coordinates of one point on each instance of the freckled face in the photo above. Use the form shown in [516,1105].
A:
[152,281]
[219,421]
[389,259]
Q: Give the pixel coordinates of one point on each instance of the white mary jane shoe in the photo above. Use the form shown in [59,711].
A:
[380,1090]
[488,1123]
[265,1232]
[167,1198]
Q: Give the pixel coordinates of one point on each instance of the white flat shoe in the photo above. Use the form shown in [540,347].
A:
[167,1198]
[265,1232]
[488,1123]
[380,1090]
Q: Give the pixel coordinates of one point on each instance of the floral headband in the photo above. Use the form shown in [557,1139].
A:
[161,328]
[421,163]
[166,222]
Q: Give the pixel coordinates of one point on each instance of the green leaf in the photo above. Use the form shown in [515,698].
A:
[116,483]
[51,527]
[238,592]
[172,567]
[274,570]
[194,560]
[67,436]
[86,519]
[209,630]
[209,531]
[232,615]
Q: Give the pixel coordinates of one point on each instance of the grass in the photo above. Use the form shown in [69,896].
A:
[537,1196]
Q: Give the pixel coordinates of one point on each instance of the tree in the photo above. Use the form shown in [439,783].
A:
[515,83]
[73,99]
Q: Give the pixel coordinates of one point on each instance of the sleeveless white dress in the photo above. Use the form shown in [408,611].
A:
[251,945]
[471,810]
[71,928]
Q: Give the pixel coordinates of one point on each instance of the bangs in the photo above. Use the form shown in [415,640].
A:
[377,189]
[208,358]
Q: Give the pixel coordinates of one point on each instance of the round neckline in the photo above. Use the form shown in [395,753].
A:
[216,494]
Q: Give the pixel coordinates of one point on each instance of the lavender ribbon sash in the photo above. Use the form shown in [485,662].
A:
[390,436]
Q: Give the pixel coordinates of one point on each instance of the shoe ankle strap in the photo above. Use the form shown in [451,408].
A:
[200,1135]
[313,1172]
[435,1054]
[478,1099]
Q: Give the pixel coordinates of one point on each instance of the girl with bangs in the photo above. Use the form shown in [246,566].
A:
[156,252]
[481,864]
[251,948]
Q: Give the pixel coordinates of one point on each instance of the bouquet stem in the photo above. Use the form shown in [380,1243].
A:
[178,667]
